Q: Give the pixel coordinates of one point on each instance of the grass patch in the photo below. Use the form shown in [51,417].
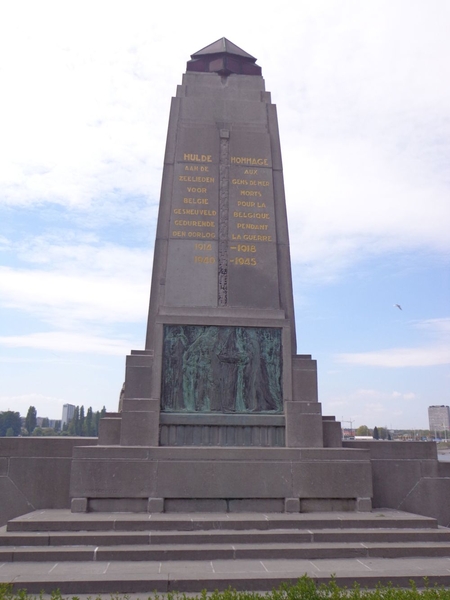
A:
[305,589]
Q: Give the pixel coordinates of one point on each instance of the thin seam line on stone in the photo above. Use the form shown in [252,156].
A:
[264,566]
[224,171]
[364,565]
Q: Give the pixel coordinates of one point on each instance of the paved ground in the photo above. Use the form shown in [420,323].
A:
[163,576]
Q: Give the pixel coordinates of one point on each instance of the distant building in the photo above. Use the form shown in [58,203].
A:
[67,413]
[439,418]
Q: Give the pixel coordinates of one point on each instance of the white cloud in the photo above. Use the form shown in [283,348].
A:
[365,131]
[436,327]
[67,282]
[68,341]
[81,253]
[79,122]
[427,355]
[65,299]
[375,407]
[399,357]
[349,200]
[372,407]
[46,406]
[364,114]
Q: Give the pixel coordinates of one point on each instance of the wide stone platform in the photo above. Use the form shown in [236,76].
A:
[138,553]
[166,479]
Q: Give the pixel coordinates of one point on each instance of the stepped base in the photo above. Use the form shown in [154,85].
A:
[139,554]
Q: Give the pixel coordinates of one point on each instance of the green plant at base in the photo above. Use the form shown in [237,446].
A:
[304,589]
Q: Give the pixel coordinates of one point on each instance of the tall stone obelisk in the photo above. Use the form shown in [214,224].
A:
[221,331]
[219,412]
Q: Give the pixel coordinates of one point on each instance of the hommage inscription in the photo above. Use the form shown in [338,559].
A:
[221,369]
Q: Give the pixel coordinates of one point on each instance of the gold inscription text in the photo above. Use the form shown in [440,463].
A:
[252,226]
[195,201]
[180,223]
[201,246]
[195,211]
[253,193]
[250,215]
[188,157]
[203,235]
[199,179]
[205,260]
[248,160]
[240,260]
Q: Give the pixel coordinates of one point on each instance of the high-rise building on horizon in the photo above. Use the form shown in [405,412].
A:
[439,418]
[67,413]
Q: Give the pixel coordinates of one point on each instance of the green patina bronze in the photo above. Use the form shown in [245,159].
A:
[221,369]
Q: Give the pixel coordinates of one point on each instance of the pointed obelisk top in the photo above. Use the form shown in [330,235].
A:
[223,46]
[225,58]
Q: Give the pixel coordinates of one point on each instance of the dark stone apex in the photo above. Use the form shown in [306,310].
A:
[225,58]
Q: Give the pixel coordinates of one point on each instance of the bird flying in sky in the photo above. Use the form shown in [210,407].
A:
[398,306]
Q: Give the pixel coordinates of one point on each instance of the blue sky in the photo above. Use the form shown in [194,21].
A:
[364,111]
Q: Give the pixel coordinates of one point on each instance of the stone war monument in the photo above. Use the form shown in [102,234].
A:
[219,412]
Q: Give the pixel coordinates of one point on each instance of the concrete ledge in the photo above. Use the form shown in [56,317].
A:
[49,447]
[292,505]
[327,504]
[183,505]
[261,455]
[218,473]
[222,435]
[332,433]
[155,505]
[79,505]
[35,473]
[363,504]
[167,418]
[129,505]
[109,431]
[396,450]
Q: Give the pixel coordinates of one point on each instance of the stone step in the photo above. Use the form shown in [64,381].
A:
[194,552]
[77,578]
[63,520]
[135,553]
[118,538]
